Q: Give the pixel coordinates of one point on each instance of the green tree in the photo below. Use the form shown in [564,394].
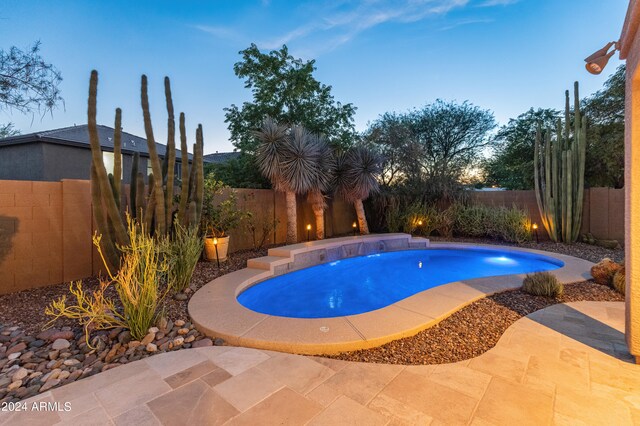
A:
[28,84]
[605,133]
[7,130]
[431,150]
[511,165]
[284,89]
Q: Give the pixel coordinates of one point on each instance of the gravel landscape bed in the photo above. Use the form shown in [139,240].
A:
[474,329]
[33,361]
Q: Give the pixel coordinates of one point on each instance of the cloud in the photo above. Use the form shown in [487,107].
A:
[466,22]
[322,26]
[492,3]
[218,32]
[340,22]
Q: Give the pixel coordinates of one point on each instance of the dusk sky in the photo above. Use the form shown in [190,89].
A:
[502,55]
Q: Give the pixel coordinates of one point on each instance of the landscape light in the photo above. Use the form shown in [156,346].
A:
[598,60]
[308,231]
[535,231]
[215,244]
[354,226]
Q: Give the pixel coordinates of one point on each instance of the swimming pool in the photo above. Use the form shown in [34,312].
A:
[362,284]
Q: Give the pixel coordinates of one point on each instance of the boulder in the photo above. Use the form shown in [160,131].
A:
[603,271]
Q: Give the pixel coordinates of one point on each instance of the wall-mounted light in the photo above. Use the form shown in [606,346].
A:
[598,60]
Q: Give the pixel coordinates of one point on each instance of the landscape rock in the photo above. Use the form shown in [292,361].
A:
[603,271]
[49,384]
[150,347]
[16,348]
[202,343]
[59,344]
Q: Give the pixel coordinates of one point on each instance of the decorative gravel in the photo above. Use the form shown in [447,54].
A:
[474,329]
[33,361]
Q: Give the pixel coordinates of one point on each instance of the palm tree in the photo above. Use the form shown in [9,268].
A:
[291,160]
[322,184]
[357,170]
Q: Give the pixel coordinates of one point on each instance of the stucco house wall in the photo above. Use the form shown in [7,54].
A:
[630,50]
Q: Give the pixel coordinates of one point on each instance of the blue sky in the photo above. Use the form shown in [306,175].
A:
[502,55]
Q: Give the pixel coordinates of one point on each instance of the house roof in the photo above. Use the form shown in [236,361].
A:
[79,136]
[220,157]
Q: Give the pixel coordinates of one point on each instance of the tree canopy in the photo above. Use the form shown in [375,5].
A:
[511,165]
[285,89]
[432,149]
[605,133]
[28,84]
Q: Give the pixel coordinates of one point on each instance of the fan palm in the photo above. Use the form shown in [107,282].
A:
[357,170]
[290,158]
[323,182]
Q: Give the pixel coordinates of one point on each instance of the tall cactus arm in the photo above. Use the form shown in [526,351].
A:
[101,173]
[133,187]
[199,196]
[536,179]
[159,204]
[170,155]
[117,158]
[108,246]
[139,204]
[184,193]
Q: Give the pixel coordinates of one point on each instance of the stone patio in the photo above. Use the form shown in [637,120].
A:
[567,364]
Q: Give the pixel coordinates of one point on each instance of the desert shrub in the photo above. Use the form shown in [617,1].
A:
[508,224]
[542,284]
[514,225]
[472,221]
[445,221]
[618,282]
[182,252]
[260,229]
[220,212]
[393,215]
[138,282]
[420,218]
[92,310]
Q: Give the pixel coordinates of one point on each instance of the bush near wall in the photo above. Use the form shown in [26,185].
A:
[464,220]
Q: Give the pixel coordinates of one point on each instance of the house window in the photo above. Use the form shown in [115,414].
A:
[149,168]
[178,170]
[109,162]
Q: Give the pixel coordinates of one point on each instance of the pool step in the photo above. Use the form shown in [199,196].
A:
[265,262]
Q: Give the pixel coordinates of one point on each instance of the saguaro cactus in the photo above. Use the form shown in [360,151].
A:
[155,204]
[560,194]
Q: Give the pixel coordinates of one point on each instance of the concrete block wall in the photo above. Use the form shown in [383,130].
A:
[46,228]
[31,234]
[603,209]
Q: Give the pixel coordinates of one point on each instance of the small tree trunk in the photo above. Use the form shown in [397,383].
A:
[362,219]
[318,211]
[292,218]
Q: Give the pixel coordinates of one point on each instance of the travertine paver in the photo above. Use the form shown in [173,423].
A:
[566,364]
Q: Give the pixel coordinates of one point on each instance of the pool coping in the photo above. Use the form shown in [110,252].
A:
[215,311]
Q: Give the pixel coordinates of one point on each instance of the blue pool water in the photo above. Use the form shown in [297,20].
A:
[363,284]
